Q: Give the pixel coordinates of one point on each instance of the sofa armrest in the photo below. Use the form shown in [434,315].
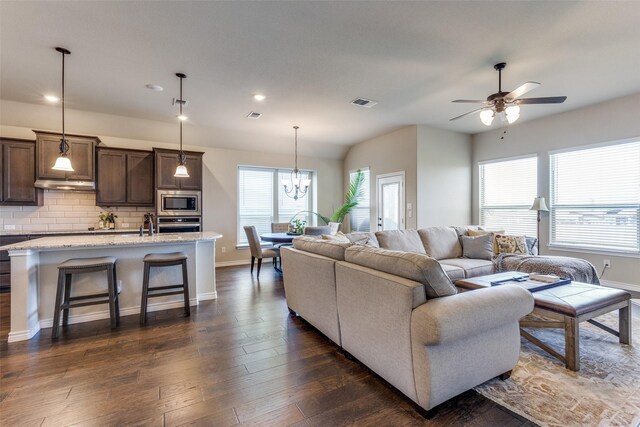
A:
[451,318]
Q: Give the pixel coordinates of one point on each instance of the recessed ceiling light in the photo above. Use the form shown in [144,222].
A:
[51,98]
[156,88]
[183,117]
[259,97]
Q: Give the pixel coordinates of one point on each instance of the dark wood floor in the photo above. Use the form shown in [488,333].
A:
[237,360]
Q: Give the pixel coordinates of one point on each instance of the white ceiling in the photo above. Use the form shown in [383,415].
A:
[312,57]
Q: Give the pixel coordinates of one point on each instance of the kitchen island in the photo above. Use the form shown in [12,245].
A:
[34,275]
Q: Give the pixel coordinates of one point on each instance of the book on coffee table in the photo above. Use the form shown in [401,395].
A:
[533,282]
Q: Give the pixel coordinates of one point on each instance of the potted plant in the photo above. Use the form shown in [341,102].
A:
[111,220]
[354,193]
[102,220]
[297,226]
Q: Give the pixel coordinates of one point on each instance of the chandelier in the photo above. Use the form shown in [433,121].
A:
[296,187]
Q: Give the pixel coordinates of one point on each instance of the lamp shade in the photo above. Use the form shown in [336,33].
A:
[539,205]
[63,163]
[181,172]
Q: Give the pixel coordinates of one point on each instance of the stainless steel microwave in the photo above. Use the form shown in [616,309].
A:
[183,203]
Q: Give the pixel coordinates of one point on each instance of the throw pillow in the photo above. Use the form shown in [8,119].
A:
[480,247]
[532,245]
[511,244]
[484,232]
[338,237]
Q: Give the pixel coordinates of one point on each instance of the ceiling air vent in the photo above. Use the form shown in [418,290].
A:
[176,101]
[362,102]
[253,115]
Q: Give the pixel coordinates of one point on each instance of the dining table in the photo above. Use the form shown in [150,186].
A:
[278,237]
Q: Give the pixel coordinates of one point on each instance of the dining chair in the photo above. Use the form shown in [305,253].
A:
[256,250]
[334,227]
[279,227]
[317,231]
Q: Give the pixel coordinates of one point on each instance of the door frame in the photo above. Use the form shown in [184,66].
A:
[403,224]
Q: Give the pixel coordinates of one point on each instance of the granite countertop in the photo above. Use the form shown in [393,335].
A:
[91,241]
[87,231]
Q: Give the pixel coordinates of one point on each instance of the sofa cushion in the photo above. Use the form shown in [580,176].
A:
[410,265]
[454,272]
[401,240]
[474,233]
[318,246]
[441,242]
[463,230]
[532,245]
[471,267]
[480,247]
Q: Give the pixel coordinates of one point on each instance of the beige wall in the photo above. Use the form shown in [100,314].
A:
[444,177]
[608,121]
[392,152]
[219,169]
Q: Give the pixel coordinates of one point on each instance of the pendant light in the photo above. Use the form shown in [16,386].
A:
[297,187]
[63,163]
[181,169]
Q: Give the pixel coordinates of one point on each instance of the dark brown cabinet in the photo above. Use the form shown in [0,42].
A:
[18,163]
[166,163]
[124,177]
[81,154]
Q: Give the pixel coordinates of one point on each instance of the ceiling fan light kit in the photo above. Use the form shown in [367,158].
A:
[506,105]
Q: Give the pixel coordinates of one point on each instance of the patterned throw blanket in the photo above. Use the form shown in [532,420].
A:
[576,269]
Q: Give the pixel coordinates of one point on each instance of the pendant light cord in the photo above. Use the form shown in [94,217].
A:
[181,102]
[63,138]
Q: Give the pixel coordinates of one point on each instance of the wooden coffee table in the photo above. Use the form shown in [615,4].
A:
[566,306]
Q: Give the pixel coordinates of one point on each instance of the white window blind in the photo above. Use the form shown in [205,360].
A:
[595,198]
[255,201]
[261,199]
[359,217]
[507,190]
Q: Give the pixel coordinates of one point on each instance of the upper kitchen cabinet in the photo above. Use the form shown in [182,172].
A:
[18,163]
[124,177]
[81,153]
[166,163]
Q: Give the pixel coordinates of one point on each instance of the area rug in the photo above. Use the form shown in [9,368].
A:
[605,392]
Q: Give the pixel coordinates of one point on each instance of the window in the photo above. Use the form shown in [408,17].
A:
[595,198]
[359,217]
[507,190]
[262,200]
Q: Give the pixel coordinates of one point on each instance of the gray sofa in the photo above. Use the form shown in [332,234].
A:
[395,310]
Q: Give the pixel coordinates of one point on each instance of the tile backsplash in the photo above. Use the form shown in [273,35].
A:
[64,210]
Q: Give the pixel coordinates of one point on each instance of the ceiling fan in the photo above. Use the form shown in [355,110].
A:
[506,105]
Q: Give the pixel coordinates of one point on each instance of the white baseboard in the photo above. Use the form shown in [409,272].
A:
[89,317]
[207,296]
[634,290]
[24,335]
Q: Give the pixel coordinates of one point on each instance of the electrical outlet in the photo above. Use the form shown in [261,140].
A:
[607,263]
[223,249]
[9,227]
[125,225]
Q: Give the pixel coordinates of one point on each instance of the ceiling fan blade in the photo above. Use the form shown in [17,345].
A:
[527,87]
[545,100]
[471,101]
[466,114]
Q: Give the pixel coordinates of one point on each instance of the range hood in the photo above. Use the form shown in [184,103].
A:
[56,184]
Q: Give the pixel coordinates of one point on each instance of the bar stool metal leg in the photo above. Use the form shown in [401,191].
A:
[117,302]
[185,282]
[67,297]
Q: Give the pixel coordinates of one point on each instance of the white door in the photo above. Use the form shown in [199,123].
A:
[391,201]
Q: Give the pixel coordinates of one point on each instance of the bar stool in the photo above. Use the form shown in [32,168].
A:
[164,260]
[64,300]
